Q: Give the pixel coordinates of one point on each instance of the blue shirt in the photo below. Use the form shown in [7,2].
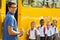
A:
[9,21]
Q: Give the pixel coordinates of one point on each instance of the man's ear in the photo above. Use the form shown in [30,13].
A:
[8,7]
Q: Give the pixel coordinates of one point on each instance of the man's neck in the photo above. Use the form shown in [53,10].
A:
[11,13]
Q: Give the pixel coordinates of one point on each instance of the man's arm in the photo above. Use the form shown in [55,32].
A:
[11,31]
[10,28]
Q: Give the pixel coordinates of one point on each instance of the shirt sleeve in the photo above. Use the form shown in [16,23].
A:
[38,32]
[11,22]
[57,30]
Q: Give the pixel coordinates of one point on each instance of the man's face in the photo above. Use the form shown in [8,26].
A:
[13,8]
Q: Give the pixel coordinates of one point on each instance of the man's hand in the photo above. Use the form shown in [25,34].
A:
[21,33]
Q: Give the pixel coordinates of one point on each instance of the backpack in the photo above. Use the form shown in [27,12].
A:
[44,30]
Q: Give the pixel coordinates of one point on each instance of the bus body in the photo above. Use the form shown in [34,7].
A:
[28,12]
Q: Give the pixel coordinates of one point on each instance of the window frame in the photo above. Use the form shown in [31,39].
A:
[0,3]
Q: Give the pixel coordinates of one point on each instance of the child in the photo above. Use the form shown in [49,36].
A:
[54,29]
[48,31]
[41,30]
[32,32]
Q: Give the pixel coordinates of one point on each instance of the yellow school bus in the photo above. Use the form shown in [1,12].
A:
[29,11]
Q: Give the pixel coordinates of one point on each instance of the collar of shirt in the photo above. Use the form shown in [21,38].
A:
[33,29]
[10,13]
[41,26]
[53,26]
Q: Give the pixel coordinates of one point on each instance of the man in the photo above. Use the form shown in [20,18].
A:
[10,25]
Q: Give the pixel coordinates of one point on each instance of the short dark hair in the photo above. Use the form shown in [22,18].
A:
[10,3]
[41,20]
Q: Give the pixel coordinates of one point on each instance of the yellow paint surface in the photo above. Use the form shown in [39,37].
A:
[29,14]
[2,15]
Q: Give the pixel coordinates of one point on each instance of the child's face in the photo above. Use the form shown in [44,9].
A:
[54,22]
[42,22]
[48,25]
[33,25]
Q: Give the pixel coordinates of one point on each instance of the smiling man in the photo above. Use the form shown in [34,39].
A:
[10,24]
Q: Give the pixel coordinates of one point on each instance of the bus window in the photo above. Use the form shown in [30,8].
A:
[25,3]
[34,3]
[52,3]
[58,4]
[45,3]
[37,3]
[0,3]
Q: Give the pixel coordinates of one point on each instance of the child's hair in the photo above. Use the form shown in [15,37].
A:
[32,22]
[41,20]
[55,20]
[48,23]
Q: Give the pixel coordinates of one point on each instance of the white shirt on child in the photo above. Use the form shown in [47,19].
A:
[32,34]
[49,32]
[41,31]
[54,30]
